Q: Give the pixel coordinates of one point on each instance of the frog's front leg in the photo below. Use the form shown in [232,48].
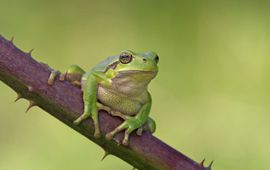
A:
[73,75]
[91,105]
[132,123]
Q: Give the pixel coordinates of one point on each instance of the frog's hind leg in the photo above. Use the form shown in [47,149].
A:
[73,75]
[133,123]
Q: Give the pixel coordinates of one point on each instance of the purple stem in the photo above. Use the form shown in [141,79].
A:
[64,101]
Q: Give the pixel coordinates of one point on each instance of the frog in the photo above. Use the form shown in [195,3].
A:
[118,85]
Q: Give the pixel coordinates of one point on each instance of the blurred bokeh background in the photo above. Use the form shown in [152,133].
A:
[210,99]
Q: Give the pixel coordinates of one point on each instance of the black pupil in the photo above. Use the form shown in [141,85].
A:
[125,58]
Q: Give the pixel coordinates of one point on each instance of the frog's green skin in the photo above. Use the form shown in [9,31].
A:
[118,85]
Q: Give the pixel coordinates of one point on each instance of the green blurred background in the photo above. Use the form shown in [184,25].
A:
[210,99]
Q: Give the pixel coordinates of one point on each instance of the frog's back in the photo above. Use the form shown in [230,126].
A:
[103,65]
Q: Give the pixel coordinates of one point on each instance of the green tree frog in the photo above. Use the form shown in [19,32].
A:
[119,86]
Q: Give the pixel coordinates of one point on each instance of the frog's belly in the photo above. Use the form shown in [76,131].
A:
[117,102]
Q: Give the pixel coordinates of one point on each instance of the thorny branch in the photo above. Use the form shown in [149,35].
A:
[63,101]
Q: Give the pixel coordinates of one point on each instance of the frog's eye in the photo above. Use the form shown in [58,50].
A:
[125,58]
[156,59]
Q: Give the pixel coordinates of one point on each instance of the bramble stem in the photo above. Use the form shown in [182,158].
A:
[64,101]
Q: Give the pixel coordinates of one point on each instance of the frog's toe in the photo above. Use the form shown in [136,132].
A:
[97,133]
[125,142]
[109,136]
[77,121]
[126,138]
[139,131]
[121,127]
[84,116]
[53,76]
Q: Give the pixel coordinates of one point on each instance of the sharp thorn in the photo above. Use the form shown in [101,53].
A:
[202,162]
[105,155]
[30,52]
[31,104]
[210,165]
[19,96]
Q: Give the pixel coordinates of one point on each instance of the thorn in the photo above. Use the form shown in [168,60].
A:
[19,96]
[31,104]
[210,165]
[30,88]
[105,155]
[30,52]
[11,40]
[202,162]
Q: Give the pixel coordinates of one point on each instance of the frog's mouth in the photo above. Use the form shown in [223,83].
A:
[138,72]
[133,79]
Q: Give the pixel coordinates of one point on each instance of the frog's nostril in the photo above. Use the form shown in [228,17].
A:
[144,60]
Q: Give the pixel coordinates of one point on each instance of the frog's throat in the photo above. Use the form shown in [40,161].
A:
[132,82]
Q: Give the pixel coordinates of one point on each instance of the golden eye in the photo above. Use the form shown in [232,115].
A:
[125,58]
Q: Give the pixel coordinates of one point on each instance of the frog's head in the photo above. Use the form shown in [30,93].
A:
[130,61]
[134,71]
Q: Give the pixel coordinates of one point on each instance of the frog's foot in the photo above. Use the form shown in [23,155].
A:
[73,75]
[129,125]
[94,116]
